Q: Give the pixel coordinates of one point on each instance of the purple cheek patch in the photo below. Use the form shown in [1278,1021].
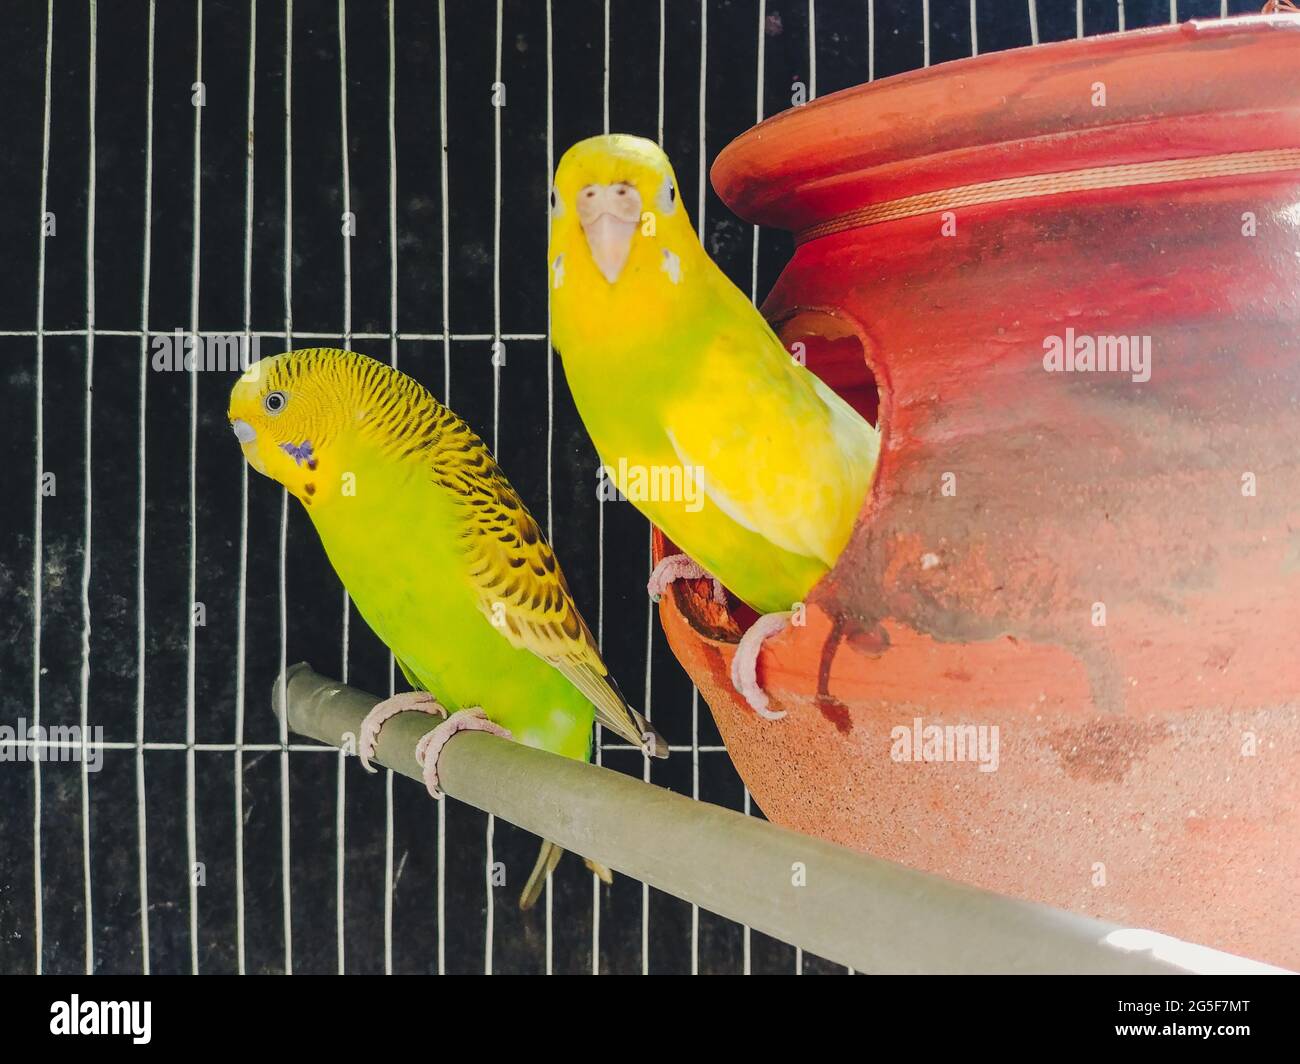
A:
[300,453]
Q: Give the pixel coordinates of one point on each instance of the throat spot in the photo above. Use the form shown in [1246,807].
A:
[672,266]
[301,453]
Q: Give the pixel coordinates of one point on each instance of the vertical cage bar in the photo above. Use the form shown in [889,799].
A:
[38,544]
[241,650]
[550,395]
[446,388]
[340,795]
[142,861]
[88,454]
[489,858]
[286,893]
[392,358]
[191,825]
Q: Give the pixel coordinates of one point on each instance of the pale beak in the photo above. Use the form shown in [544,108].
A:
[609,215]
[247,437]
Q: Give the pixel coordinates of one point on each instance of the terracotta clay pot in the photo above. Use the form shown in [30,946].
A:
[951,222]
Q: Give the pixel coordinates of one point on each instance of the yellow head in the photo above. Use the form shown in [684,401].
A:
[617,222]
[286,410]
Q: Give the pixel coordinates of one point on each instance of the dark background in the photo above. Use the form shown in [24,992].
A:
[72,328]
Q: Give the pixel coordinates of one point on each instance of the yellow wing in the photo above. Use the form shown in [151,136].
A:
[781,453]
[521,588]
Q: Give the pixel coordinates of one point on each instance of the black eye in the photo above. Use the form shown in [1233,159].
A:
[274,402]
[672,194]
[552,199]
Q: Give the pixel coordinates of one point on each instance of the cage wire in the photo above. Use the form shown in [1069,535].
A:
[157,591]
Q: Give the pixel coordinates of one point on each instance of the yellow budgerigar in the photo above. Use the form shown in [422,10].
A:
[680,381]
[440,555]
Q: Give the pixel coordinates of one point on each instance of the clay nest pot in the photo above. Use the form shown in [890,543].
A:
[1103,568]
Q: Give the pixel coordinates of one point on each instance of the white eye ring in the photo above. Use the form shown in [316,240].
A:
[666,197]
[274,402]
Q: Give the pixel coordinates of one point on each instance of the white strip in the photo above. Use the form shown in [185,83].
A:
[695,793]
[446,242]
[347,278]
[285,850]
[191,826]
[925,31]
[388,873]
[871,39]
[1120,13]
[1033,21]
[340,800]
[242,606]
[86,559]
[140,631]
[490,830]
[974,31]
[663,31]
[340,856]
[38,548]
[812,47]
[446,398]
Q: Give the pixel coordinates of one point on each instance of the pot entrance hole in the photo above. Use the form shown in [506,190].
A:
[833,349]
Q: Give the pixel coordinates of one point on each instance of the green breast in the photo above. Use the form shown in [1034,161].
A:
[396,546]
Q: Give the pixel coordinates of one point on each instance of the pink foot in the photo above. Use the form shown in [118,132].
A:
[390,707]
[429,748]
[679,567]
[744,666]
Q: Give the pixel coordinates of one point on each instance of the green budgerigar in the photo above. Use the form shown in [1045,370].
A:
[440,555]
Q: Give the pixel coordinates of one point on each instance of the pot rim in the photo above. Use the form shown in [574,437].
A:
[1201,87]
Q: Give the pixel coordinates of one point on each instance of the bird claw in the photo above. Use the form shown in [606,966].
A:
[679,567]
[429,748]
[420,701]
[744,665]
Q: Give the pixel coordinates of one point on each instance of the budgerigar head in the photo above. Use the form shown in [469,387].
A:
[617,218]
[286,409]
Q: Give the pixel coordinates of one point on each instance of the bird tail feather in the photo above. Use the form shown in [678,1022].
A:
[653,743]
[547,858]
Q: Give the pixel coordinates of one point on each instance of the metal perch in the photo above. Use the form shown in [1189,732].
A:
[860,911]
